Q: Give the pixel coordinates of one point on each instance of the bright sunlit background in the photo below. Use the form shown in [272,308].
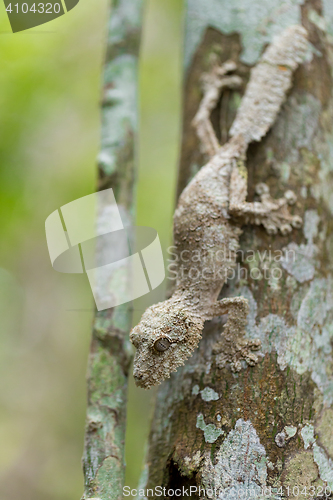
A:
[49,115]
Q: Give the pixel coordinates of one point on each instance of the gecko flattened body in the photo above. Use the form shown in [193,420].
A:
[208,220]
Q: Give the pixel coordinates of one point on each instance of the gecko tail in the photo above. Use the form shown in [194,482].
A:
[269,82]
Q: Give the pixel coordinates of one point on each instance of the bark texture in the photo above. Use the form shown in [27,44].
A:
[111,352]
[269,425]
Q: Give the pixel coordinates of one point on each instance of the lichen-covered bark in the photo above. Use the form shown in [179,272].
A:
[269,425]
[110,352]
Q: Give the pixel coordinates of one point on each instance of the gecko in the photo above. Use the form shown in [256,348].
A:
[208,219]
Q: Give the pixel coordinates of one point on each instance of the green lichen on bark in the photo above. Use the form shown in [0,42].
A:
[291,389]
[110,352]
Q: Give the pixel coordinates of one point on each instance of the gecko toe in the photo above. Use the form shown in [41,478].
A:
[270,228]
[285,229]
[291,197]
[297,221]
[262,188]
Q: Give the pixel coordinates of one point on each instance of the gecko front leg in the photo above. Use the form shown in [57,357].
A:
[233,347]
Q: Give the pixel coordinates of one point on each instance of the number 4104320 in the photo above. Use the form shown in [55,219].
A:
[41,8]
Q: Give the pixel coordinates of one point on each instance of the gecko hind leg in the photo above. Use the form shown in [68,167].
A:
[272,213]
[233,347]
[213,84]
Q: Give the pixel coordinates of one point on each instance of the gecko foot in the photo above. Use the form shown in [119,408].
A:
[277,217]
[229,351]
[233,347]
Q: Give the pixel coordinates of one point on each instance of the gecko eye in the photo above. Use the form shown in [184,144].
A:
[162,344]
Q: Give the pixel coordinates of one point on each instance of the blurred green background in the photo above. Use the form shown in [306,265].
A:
[50,126]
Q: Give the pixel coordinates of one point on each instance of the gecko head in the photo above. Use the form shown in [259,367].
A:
[165,337]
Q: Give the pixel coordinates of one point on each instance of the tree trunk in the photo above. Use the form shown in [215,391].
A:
[270,425]
[111,352]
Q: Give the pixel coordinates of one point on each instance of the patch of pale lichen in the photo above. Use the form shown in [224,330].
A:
[300,473]
[109,480]
[324,428]
[255,26]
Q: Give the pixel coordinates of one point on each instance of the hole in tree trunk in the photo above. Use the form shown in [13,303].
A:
[175,481]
